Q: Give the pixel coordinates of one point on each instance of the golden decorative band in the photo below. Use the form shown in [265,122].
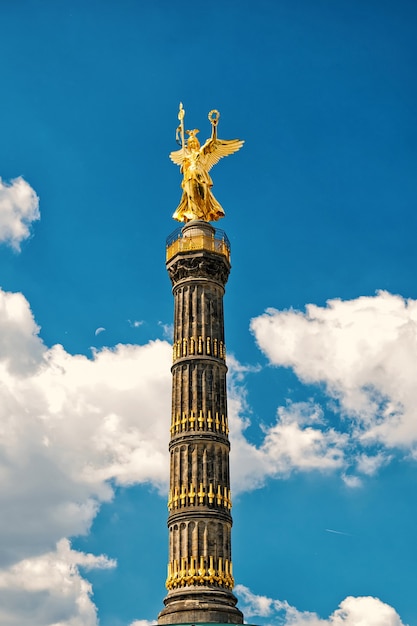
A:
[198,242]
[203,422]
[199,571]
[198,345]
[189,496]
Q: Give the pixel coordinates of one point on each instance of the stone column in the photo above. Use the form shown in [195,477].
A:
[200,576]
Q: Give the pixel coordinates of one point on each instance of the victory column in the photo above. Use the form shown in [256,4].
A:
[200,578]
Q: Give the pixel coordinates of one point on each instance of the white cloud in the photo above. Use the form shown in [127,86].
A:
[352,481]
[135,323]
[69,427]
[298,440]
[290,444]
[48,590]
[167,331]
[19,207]
[20,347]
[365,353]
[360,611]
[259,606]
[370,464]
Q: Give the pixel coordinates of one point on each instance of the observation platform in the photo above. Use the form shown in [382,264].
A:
[197,235]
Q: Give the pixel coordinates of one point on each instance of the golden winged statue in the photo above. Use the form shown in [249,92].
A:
[197,201]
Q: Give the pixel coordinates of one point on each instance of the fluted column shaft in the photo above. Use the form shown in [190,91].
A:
[200,577]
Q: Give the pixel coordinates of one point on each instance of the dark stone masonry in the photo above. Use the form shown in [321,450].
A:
[200,576]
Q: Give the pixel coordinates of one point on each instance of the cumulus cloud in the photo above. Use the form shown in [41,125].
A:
[364,352]
[19,207]
[352,611]
[298,440]
[48,589]
[135,323]
[70,427]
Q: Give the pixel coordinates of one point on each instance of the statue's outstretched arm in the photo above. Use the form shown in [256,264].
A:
[214,123]
[211,143]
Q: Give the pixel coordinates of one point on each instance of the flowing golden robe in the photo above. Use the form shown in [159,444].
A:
[197,201]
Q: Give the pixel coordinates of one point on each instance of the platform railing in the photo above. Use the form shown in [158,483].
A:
[218,242]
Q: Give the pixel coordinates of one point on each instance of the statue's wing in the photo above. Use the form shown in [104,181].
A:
[177,156]
[216,149]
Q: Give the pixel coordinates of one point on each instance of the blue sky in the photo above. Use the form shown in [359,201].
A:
[321,304]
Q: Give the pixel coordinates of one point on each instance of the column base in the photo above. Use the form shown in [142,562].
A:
[191,606]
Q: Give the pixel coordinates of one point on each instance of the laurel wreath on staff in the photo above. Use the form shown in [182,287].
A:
[213,118]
